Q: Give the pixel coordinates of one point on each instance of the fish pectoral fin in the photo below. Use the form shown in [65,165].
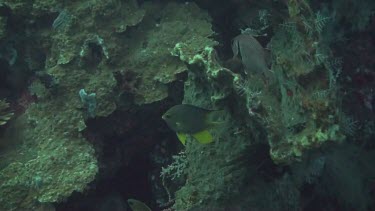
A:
[214,117]
[203,137]
[216,124]
[182,137]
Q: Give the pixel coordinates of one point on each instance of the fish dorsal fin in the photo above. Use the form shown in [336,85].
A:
[182,137]
[137,205]
[203,137]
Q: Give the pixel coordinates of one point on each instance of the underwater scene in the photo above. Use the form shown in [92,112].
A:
[194,105]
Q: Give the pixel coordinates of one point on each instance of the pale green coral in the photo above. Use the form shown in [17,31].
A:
[51,161]
[206,58]
[149,50]
[310,138]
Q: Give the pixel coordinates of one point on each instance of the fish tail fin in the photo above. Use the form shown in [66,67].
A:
[182,137]
[203,137]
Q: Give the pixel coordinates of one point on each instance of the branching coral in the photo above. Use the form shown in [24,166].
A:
[177,168]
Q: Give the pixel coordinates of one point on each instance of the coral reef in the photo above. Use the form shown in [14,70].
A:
[82,51]
[88,81]
[294,110]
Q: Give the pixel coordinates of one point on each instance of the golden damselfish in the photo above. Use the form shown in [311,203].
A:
[190,120]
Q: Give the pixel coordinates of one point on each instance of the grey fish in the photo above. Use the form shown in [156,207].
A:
[251,53]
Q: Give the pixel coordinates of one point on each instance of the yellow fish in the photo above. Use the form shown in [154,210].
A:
[191,120]
[136,205]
